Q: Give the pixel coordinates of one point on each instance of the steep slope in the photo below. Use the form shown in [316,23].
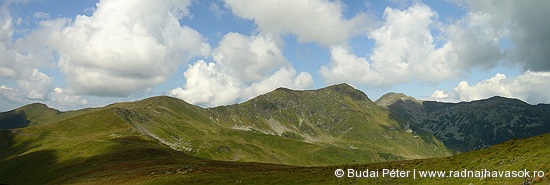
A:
[468,126]
[119,143]
[333,125]
[102,148]
[336,117]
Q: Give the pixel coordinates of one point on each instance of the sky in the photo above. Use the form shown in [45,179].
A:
[75,54]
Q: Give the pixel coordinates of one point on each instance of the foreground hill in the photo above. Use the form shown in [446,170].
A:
[514,156]
[472,125]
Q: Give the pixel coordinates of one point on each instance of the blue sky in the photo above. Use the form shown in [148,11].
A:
[76,54]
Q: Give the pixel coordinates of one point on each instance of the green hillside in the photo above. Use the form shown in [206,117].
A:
[281,137]
[36,114]
[115,153]
[333,125]
[28,115]
[105,151]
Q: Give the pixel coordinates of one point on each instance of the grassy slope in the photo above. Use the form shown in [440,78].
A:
[345,126]
[531,154]
[116,154]
[36,114]
[100,147]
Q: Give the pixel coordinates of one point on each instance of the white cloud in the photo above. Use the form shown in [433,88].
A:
[318,21]
[474,42]
[346,67]
[7,55]
[243,67]
[406,50]
[20,61]
[282,78]
[41,15]
[61,97]
[439,95]
[216,10]
[522,23]
[10,94]
[36,85]
[126,46]
[207,85]
[251,58]
[530,87]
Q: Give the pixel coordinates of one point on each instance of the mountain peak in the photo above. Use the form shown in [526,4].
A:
[340,86]
[34,106]
[390,98]
[347,90]
[499,100]
[284,89]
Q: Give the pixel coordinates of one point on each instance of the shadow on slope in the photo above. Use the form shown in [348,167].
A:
[105,151]
[13,119]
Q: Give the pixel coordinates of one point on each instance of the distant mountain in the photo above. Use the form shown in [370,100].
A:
[28,115]
[472,125]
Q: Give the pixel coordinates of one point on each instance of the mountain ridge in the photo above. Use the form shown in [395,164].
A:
[337,124]
[466,126]
[328,120]
[164,139]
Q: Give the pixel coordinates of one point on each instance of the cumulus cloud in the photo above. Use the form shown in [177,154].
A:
[7,56]
[37,85]
[530,87]
[243,67]
[61,97]
[252,58]
[282,78]
[20,60]
[20,63]
[317,21]
[523,24]
[126,46]
[207,85]
[406,49]
[346,67]
[10,94]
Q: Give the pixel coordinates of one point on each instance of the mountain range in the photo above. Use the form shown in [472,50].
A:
[336,125]
[467,126]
